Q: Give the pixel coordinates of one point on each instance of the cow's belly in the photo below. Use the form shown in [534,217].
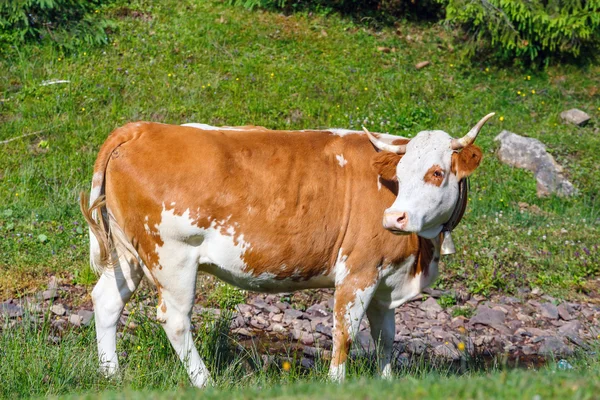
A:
[397,285]
[220,252]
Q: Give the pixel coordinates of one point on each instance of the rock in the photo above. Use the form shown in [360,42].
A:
[416,346]
[486,316]
[11,310]
[430,305]
[447,352]
[365,341]
[291,313]
[276,327]
[575,116]
[549,310]
[522,152]
[58,309]
[75,319]
[564,312]
[307,363]
[243,332]
[324,330]
[528,350]
[86,316]
[244,309]
[552,346]
[49,294]
[277,318]
[570,328]
[303,337]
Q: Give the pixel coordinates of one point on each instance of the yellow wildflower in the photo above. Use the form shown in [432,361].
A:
[461,346]
[286,366]
[501,118]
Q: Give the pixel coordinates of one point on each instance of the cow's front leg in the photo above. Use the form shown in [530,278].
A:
[351,300]
[383,330]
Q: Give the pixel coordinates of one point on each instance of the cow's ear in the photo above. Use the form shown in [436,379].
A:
[385,163]
[466,161]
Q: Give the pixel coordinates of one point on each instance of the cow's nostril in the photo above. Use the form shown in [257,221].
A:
[401,218]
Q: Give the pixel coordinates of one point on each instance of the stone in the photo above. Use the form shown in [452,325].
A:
[11,310]
[324,330]
[276,327]
[564,312]
[86,316]
[49,294]
[430,305]
[553,346]
[58,309]
[416,346]
[486,316]
[292,313]
[575,116]
[522,152]
[75,319]
[243,332]
[365,341]
[549,310]
[447,352]
[570,328]
[528,350]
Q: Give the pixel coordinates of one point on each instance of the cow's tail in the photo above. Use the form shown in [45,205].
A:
[105,234]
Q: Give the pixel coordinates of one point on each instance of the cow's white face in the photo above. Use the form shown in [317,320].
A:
[427,186]
[428,169]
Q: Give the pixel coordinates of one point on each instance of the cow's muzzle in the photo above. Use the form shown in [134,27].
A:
[396,222]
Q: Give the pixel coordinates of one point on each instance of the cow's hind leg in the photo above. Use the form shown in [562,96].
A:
[352,298]
[113,290]
[177,286]
[383,329]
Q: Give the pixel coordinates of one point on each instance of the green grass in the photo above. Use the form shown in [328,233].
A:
[41,360]
[195,61]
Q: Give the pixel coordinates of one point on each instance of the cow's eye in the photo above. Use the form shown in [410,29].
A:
[438,174]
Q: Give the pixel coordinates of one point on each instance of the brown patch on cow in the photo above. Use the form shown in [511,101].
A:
[434,175]
[424,257]
[400,141]
[466,161]
[385,163]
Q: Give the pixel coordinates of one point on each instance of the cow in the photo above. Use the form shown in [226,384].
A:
[270,211]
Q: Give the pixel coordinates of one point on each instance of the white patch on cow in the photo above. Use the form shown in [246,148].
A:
[172,203]
[397,286]
[96,186]
[206,127]
[340,271]
[341,160]
[185,241]
[357,308]
[378,182]
[337,373]
[344,132]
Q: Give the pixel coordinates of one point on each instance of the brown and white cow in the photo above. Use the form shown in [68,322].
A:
[270,211]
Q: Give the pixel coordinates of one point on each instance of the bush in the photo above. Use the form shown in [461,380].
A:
[386,11]
[531,30]
[68,23]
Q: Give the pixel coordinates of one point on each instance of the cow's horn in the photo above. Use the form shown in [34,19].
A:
[472,135]
[381,145]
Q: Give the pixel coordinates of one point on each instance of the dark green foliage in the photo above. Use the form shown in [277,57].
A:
[386,11]
[531,30]
[68,23]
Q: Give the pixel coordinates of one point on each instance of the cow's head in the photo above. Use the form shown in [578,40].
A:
[427,169]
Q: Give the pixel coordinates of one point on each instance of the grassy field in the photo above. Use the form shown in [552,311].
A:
[39,360]
[203,61]
[196,61]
